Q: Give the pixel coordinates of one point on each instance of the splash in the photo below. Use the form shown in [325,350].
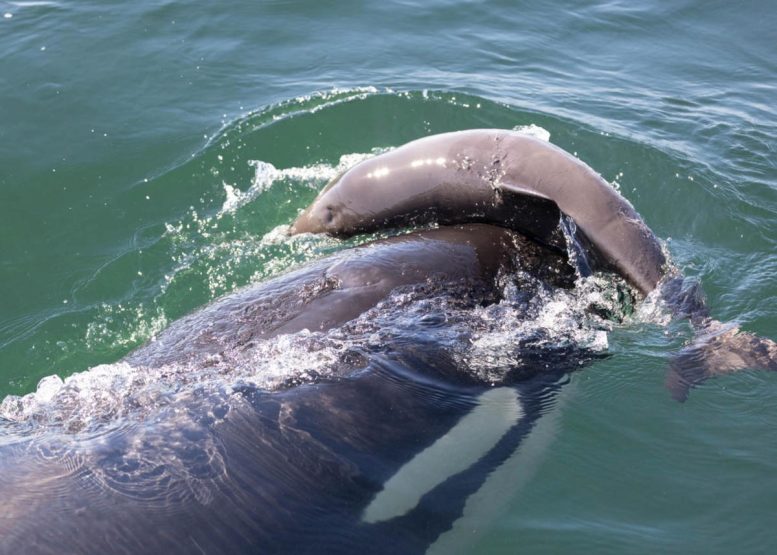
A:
[533,326]
[265,175]
[533,130]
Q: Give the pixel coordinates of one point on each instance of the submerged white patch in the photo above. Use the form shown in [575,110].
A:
[493,498]
[466,443]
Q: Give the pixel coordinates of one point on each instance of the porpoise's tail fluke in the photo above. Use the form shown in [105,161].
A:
[717,349]
[720,349]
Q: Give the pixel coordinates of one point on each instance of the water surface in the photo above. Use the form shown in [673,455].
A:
[147,149]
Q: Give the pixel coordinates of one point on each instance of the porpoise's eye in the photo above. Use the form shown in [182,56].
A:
[329,215]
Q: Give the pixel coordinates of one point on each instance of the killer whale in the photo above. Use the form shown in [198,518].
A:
[224,466]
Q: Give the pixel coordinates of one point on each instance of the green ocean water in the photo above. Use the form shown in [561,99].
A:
[148,149]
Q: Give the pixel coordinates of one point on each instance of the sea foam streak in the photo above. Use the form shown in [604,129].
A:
[265,175]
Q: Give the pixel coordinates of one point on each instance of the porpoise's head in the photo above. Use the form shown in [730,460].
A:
[324,214]
[361,199]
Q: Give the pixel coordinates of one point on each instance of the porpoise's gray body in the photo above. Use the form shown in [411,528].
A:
[494,176]
[304,469]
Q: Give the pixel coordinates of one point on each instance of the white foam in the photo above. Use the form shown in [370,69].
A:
[35,3]
[507,335]
[533,130]
[76,400]
[48,387]
[654,308]
[108,391]
[233,200]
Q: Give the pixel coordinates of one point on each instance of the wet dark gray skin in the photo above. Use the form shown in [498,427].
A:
[300,470]
[329,293]
[493,176]
[513,180]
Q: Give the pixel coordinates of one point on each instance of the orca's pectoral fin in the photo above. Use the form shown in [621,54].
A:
[723,349]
